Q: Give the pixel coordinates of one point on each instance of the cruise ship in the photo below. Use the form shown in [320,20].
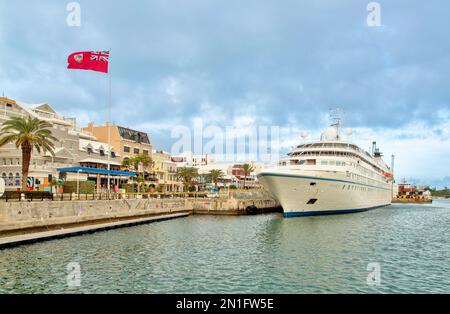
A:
[329,176]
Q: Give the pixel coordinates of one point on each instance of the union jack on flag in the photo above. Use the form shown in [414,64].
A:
[100,56]
[89,60]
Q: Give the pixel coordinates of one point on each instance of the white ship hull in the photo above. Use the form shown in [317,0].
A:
[303,192]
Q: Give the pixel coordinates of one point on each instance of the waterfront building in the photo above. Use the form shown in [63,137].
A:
[233,174]
[251,180]
[189,159]
[73,148]
[42,166]
[165,172]
[125,141]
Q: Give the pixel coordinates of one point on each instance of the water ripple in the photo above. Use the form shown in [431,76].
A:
[248,254]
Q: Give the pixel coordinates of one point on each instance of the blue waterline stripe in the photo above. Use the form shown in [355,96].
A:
[316,178]
[329,212]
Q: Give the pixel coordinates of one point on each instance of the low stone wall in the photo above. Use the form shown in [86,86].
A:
[232,206]
[23,215]
[20,216]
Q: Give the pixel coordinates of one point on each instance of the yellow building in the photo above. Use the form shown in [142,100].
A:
[165,171]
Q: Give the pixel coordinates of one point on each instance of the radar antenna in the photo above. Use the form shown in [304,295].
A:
[335,117]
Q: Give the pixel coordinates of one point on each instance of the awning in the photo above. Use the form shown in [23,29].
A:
[97,171]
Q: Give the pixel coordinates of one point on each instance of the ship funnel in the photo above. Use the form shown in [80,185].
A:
[392,163]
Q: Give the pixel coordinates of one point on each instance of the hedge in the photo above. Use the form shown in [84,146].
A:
[85,187]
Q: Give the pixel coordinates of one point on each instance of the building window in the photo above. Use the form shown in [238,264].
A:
[136,150]
[145,152]
[17,179]
[113,154]
[10,179]
[102,152]
[126,149]
[89,150]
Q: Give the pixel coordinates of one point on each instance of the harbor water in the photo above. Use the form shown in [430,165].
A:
[248,254]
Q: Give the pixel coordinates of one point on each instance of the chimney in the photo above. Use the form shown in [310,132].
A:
[374,147]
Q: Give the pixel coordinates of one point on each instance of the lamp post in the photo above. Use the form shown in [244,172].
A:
[78,183]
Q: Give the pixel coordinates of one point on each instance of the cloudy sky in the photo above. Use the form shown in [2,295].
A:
[245,63]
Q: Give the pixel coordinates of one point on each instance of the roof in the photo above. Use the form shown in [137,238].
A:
[97,171]
[133,135]
[46,108]
[95,145]
[60,152]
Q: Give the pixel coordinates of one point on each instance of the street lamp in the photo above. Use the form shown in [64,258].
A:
[78,183]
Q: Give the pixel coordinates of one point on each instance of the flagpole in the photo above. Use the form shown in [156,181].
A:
[109,122]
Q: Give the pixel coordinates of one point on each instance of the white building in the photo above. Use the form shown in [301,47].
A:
[74,147]
[189,159]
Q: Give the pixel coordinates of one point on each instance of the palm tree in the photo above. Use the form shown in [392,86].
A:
[215,175]
[187,174]
[28,133]
[247,168]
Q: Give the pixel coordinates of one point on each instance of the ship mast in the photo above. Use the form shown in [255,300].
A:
[335,117]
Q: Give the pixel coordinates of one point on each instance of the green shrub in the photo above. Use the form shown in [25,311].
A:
[129,187]
[160,188]
[29,195]
[85,187]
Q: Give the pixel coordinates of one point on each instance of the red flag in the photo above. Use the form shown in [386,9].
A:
[89,60]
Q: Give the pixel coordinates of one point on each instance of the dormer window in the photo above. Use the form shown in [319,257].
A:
[102,152]
[89,150]
[113,154]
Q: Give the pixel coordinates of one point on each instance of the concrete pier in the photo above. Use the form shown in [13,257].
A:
[73,231]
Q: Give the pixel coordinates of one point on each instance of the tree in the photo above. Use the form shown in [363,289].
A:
[136,161]
[126,163]
[214,175]
[144,160]
[187,174]
[247,168]
[28,133]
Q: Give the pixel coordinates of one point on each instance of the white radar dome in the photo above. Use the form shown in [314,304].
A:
[330,134]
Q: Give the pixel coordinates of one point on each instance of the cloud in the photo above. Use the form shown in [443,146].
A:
[282,64]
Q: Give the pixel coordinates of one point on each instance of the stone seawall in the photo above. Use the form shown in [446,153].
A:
[234,206]
[26,215]
[22,217]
